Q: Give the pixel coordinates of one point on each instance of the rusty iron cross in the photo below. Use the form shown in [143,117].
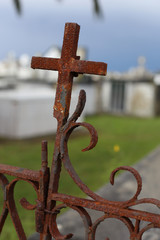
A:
[68,66]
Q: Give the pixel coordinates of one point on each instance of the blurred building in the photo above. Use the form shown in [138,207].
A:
[17,70]
[27,95]
[135,93]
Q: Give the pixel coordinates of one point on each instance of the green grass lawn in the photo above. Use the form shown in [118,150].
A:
[135,138]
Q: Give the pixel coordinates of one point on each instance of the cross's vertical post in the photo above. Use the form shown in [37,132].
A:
[65,78]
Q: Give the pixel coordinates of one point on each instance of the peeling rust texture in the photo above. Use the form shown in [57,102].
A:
[46,182]
[63,97]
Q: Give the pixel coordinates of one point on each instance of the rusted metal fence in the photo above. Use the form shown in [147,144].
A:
[46,180]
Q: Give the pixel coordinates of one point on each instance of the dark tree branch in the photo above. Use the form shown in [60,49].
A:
[18,6]
[97,8]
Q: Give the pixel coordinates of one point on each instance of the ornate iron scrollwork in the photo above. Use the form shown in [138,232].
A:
[46,181]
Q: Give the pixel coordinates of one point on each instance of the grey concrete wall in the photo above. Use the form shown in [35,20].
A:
[91,96]
[140,99]
[106,96]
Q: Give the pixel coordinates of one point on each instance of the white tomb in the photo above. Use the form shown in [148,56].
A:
[28,111]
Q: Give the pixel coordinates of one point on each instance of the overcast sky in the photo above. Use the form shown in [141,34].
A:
[127,30]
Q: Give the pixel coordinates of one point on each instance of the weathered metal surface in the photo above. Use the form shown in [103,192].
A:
[46,181]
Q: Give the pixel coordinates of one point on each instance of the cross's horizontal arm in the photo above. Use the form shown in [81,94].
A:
[45,63]
[76,66]
[98,68]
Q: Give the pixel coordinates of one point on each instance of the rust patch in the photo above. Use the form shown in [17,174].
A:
[63,97]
